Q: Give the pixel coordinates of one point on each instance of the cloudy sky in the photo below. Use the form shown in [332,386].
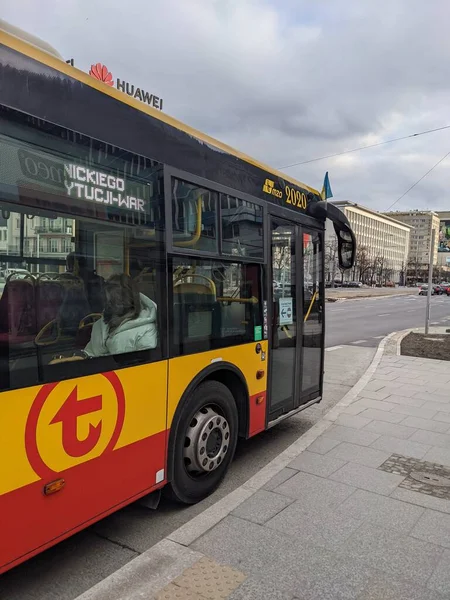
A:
[284,80]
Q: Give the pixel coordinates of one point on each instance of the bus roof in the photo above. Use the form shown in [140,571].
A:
[30,39]
[44,53]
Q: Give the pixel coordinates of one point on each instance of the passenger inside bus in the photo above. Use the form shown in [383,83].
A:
[128,323]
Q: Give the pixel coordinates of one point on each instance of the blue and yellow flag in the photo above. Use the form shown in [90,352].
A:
[326,188]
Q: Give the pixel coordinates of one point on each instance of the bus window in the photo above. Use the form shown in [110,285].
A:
[81,256]
[242,227]
[215,304]
[194,217]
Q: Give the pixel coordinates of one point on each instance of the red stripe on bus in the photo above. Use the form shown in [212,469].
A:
[257,413]
[31,522]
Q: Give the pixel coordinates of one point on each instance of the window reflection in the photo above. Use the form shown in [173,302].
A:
[215,304]
[194,213]
[82,267]
[242,227]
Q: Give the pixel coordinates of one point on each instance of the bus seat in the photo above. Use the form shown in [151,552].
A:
[74,306]
[85,329]
[147,285]
[17,311]
[192,288]
[49,297]
[196,313]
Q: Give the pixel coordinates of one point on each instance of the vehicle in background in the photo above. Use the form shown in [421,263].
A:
[424,290]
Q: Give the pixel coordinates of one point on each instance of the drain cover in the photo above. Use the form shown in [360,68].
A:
[420,475]
[430,478]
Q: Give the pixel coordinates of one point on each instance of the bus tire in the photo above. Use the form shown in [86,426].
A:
[205,441]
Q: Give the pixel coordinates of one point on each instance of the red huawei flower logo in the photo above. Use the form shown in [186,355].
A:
[101,73]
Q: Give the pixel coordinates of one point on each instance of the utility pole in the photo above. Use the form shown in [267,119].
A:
[430,281]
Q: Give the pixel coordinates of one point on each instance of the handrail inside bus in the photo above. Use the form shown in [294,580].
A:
[238,300]
[211,284]
[198,228]
[310,307]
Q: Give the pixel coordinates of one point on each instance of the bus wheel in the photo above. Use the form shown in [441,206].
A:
[206,437]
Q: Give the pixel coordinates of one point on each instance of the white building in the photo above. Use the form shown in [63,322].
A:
[422,224]
[383,243]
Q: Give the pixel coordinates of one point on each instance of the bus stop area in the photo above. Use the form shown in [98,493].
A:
[357,508]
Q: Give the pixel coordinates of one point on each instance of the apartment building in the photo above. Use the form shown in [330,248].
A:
[385,239]
[422,223]
[43,238]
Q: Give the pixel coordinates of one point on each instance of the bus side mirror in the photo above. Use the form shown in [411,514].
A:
[346,247]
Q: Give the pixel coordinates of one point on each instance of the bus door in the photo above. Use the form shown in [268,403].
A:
[312,316]
[296,333]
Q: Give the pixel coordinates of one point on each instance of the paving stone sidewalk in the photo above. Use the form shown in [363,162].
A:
[363,513]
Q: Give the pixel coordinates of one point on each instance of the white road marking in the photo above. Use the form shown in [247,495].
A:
[384,315]
[378,337]
[359,342]
[333,348]
[411,310]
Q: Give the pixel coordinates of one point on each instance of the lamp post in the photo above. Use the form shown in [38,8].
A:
[430,281]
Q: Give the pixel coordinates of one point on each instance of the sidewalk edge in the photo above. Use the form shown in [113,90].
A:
[199,525]
[171,555]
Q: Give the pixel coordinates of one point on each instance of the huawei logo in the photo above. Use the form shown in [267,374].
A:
[101,73]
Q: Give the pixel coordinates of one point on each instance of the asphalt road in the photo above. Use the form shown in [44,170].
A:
[364,322]
[354,329]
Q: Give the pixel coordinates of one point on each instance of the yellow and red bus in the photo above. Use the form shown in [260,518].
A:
[218,308]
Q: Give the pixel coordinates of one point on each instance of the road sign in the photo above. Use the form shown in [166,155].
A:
[286,312]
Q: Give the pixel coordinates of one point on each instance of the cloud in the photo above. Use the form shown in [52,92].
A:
[285,82]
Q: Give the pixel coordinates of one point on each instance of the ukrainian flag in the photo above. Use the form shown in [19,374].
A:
[326,188]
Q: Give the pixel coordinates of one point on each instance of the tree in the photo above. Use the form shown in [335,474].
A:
[362,264]
[402,280]
[331,248]
[415,269]
[281,257]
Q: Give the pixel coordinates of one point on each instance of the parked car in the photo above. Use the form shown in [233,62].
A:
[445,287]
[424,290]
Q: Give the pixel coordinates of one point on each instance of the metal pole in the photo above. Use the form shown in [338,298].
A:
[333,268]
[430,281]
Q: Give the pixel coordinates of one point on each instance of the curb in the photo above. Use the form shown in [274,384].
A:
[377,297]
[401,335]
[351,395]
[152,570]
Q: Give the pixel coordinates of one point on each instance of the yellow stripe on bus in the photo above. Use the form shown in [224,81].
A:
[47,59]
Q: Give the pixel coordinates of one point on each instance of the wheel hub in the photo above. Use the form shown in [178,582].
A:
[207,440]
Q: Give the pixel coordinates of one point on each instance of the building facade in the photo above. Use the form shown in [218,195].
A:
[422,224]
[382,245]
[43,238]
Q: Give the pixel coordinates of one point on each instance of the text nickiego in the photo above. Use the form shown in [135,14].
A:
[88,184]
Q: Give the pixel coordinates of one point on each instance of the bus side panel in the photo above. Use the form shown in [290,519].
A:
[184,369]
[104,435]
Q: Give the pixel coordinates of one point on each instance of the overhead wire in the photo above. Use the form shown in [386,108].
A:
[405,137]
[419,180]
